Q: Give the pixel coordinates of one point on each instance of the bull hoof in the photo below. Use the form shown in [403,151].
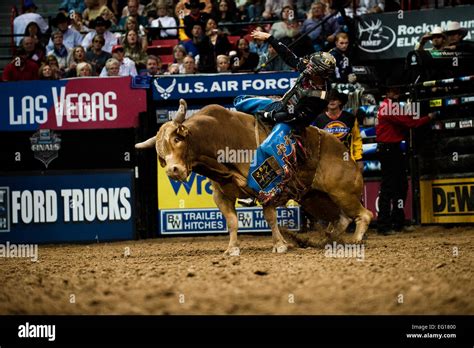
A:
[234,251]
[280,249]
[356,241]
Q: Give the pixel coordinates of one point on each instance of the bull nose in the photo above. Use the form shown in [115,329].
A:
[175,170]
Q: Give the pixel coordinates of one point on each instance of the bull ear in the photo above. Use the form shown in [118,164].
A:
[162,162]
[182,131]
[146,144]
[181,114]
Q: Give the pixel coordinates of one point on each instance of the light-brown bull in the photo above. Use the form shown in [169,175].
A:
[334,180]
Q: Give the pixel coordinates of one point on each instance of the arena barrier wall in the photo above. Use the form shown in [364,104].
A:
[188,208]
[447,200]
[68,160]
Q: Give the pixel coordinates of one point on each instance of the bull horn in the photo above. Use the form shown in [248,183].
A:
[146,144]
[181,114]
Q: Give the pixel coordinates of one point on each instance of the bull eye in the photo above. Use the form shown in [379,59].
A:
[177,140]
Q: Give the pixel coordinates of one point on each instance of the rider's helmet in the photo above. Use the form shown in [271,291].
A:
[320,64]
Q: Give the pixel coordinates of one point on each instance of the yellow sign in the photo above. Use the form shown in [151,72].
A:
[195,193]
[447,200]
[436,102]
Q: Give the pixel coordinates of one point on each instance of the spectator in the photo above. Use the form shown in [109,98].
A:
[78,24]
[101,27]
[303,7]
[267,61]
[29,15]
[223,63]
[196,16]
[32,30]
[52,61]
[191,45]
[20,68]
[165,21]
[287,27]
[259,46]
[244,60]
[255,10]
[93,10]
[83,69]
[226,13]
[179,53]
[73,6]
[134,50]
[273,8]
[154,66]
[173,69]
[456,35]
[325,33]
[133,12]
[390,131]
[60,51]
[189,65]
[108,15]
[342,124]
[46,72]
[437,37]
[126,65]
[132,24]
[112,67]
[35,52]
[126,11]
[77,55]
[366,6]
[213,44]
[71,37]
[343,72]
[96,55]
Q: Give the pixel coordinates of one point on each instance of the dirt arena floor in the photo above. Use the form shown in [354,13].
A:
[429,271]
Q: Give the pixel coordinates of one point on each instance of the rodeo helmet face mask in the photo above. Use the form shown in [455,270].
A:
[320,64]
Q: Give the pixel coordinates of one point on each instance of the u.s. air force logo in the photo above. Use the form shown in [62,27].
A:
[165,93]
[337,128]
[375,37]
[45,145]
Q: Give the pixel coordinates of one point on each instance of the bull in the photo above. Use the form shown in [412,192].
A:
[333,183]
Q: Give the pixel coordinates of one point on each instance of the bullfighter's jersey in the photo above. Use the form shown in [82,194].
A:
[345,128]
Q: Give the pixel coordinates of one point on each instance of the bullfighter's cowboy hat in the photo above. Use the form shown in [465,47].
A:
[437,31]
[454,27]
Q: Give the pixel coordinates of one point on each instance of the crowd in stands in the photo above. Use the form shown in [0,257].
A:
[113,37]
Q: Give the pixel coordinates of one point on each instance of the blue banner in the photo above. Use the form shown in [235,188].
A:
[174,87]
[65,207]
[211,220]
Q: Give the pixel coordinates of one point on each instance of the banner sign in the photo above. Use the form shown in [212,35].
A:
[194,221]
[393,35]
[371,198]
[447,200]
[189,208]
[174,87]
[81,103]
[65,207]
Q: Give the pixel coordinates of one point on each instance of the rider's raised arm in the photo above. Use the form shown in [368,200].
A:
[284,52]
